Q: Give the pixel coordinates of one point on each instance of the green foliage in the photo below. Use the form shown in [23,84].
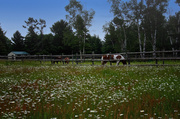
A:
[5,43]
[93,44]
[178,2]
[139,26]
[61,29]
[18,42]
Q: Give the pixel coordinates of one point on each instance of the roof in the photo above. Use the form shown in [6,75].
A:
[20,52]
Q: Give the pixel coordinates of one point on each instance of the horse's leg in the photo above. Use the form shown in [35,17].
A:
[103,62]
[117,63]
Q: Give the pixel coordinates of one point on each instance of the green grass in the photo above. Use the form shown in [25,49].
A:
[38,63]
[55,91]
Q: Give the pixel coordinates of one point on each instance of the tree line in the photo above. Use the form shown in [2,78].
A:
[137,26]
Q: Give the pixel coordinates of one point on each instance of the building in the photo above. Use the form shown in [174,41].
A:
[17,54]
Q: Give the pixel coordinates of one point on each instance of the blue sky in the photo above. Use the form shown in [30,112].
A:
[13,13]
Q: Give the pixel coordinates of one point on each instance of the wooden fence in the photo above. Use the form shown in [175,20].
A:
[79,58]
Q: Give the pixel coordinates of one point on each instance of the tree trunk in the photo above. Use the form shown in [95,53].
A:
[84,44]
[125,39]
[154,42]
[144,44]
[171,42]
[139,37]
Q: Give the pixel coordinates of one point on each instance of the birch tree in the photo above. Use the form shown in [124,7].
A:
[153,18]
[80,20]
[136,17]
[173,29]
[120,10]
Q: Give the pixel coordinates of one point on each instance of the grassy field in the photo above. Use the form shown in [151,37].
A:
[96,63]
[34,90]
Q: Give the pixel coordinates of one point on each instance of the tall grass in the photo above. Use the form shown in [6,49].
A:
[57,92]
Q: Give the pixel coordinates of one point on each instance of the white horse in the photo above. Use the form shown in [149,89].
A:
[113,58]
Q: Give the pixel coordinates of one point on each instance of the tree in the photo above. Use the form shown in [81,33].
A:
[34,43]
[136,17]
[42,25]
[36,25]
[153,19]
[5,43]
[94,44]
[115,35]
[18,41]
[31,41]
[80,20]
[107,45]
[47,44]
[178,2]
[71,43]
[60,29]
[121,13]
[173,29]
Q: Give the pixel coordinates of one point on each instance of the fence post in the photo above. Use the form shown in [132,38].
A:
[110,59]
[39,58]
[81,58]
[156,61]
[62,59]
[51,59]
[93,58]
[127,58]
[155,57]
[72,59]
[76,59]
[43,59]
[22,59]
[163,56]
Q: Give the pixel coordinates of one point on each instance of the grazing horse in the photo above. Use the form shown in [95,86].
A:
[113,58]
[59,59]
[66,60]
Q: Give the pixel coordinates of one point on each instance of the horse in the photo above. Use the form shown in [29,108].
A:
[66,60]
[113,58]
[56,60]
[59,59]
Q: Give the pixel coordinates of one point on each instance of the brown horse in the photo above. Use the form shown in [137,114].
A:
[66,60]
[56,60]
[59,59]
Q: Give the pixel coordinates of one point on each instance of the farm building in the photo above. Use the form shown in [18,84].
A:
[15,54]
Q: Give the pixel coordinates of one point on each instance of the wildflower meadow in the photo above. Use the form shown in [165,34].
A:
[89,92]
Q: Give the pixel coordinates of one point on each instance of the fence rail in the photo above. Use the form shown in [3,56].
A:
[78,58]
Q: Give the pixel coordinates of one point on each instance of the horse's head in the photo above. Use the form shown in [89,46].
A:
[124,62]
[67,60]
[104,57]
